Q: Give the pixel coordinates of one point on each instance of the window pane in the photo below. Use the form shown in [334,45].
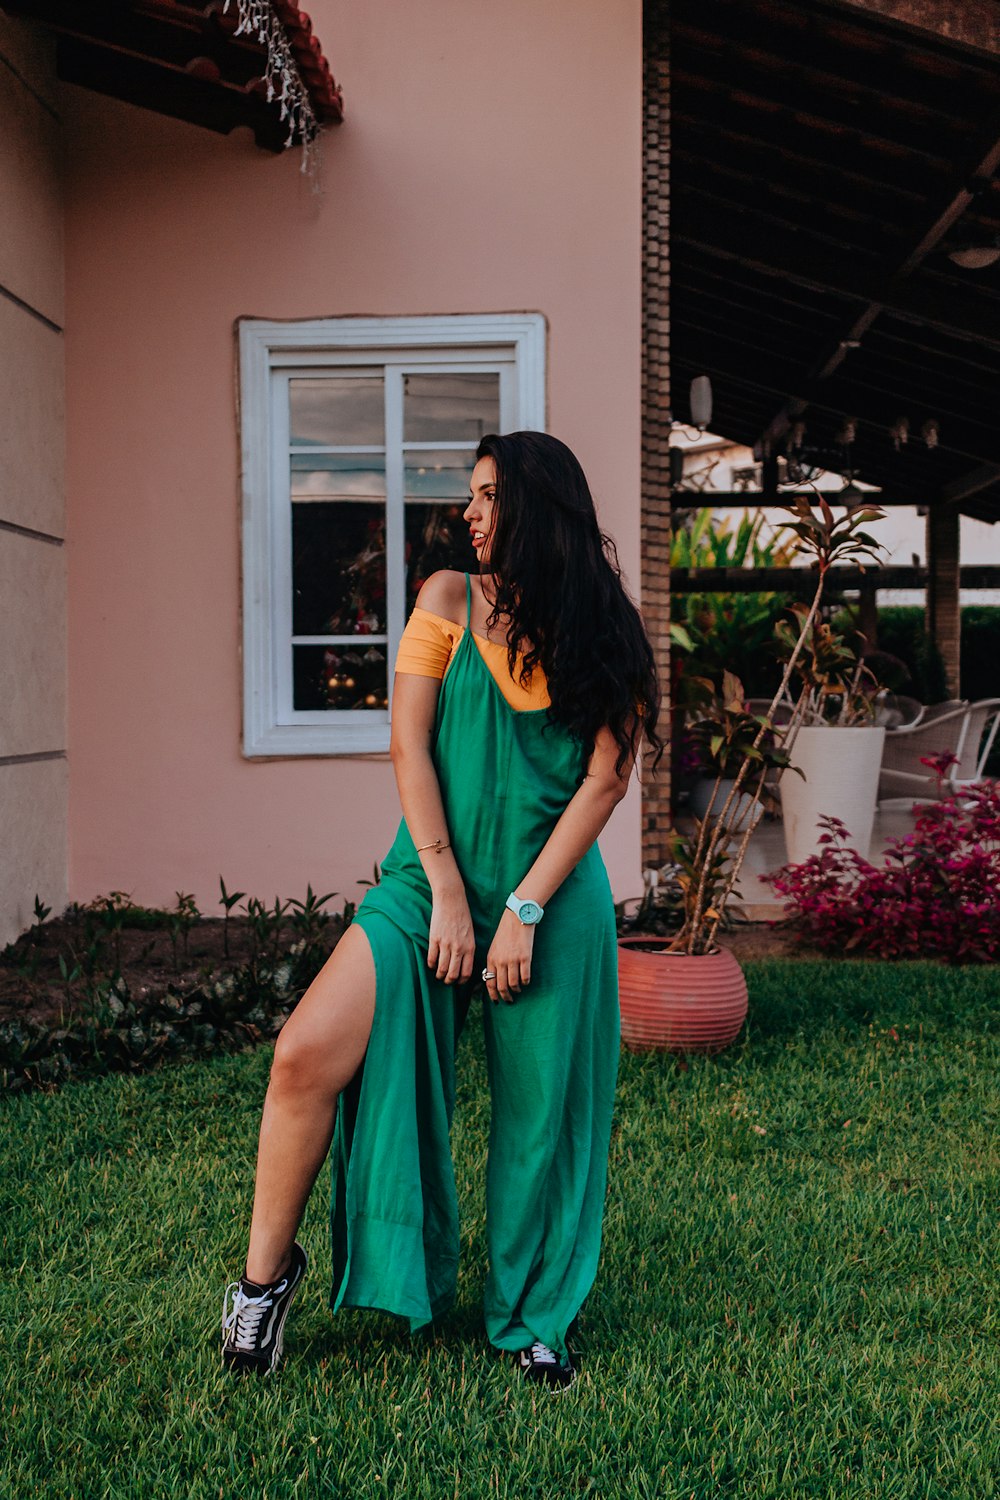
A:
[450,408]
[438,475]
[340,677]
[436,537]
[325,476]
[338,569]
[338,409]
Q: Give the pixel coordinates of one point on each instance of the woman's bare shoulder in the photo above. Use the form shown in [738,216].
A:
[443,593]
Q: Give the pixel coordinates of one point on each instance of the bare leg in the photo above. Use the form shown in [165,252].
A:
[318,1051]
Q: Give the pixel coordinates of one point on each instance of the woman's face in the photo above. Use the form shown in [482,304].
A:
[479,512]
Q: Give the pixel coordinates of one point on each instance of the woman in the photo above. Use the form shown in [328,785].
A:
[519,701]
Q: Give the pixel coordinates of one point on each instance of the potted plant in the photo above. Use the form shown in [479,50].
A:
[720,631]
[681,990]
[834,741]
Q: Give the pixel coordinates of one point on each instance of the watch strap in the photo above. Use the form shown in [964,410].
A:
[515,902]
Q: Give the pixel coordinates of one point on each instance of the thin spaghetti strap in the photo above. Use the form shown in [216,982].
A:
[468,601]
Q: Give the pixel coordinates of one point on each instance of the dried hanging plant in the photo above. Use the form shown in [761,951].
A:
[281,73]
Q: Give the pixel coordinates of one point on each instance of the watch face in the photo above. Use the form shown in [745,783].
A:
[529,912]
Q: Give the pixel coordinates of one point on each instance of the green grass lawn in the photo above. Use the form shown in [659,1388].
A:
[797,1294]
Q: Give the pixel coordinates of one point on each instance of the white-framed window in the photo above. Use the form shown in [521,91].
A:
[358,437]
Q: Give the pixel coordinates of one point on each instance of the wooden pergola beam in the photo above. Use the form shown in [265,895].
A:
[974,24]
[969,417]
[758,499]
[796,105]
[725,133]
[817,268]
[783,212]
[836,57]
[972,483]
[716,281]
[973,181]
[873,411]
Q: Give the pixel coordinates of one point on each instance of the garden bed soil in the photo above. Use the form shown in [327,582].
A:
[750,941]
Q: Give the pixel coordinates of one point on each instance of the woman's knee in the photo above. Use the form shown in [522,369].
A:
[295,1067]
[319,1061]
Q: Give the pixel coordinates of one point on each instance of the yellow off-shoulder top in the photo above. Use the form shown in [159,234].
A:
[428,644]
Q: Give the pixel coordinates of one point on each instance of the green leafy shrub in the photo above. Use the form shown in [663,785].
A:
[731,631]
[981,651]
[901,631]
[128,1033]
[108,1026]
[903,634]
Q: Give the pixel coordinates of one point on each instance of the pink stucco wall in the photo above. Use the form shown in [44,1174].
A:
[491,162]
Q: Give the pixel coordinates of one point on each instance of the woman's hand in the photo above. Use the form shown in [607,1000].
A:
[451,947]
[509,958]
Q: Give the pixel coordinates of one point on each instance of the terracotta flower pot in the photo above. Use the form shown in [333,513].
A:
[673,1002]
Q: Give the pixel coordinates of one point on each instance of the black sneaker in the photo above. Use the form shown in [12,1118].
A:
[544,1366]
[253,1327]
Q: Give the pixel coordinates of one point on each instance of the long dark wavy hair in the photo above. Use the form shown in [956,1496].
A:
[558,582]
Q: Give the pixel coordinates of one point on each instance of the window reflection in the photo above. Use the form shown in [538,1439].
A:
[322,476]
[450,408]
[438,474]
[338,569]
[340,507]
[337,409]
[339,677]
[436,537]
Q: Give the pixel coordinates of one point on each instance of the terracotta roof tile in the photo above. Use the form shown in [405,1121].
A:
[324,93]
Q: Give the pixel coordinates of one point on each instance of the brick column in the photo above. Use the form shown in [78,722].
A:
[655,512]
[944,615]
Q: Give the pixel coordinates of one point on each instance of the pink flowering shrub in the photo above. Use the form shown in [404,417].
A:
[937,895]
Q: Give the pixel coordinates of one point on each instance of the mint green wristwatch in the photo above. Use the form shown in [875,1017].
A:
[527,912]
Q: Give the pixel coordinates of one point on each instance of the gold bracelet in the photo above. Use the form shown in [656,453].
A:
[437,846]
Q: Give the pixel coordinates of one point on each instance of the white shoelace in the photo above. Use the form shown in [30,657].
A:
[245,1316]
[543,1355]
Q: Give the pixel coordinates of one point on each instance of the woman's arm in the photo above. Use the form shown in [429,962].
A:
[451,949]
[586,813]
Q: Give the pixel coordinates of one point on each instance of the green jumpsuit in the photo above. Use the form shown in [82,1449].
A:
[552,1056]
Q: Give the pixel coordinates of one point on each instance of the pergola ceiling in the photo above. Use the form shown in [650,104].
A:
[823,163]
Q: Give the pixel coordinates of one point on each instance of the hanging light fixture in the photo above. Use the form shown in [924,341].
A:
[701,402]
[976,257]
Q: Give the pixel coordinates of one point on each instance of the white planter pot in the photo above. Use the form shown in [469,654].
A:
[842,769]
[739,815]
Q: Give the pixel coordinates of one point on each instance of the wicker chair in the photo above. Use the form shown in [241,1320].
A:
[893,710]
[966,729]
